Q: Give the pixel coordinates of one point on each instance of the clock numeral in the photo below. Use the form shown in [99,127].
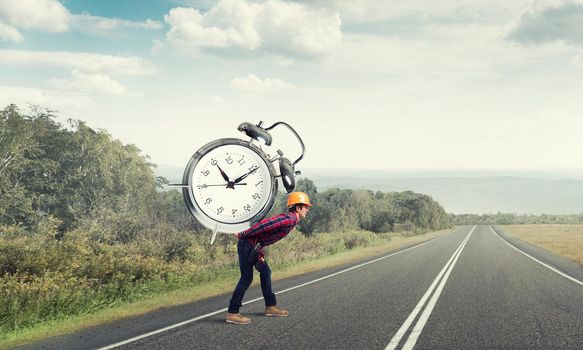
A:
[234,211]
[208,201]
[247,207]
[202,186]
[214,161]
[205,173]
[229,160]
[259,183]
[241,161]
[251,168]
[256,196]
[220,210]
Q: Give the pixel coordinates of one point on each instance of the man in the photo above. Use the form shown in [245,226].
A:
[265,232]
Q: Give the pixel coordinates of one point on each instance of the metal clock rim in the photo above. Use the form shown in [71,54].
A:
[195,209]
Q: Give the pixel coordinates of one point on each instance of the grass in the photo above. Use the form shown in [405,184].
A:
[223,285]
[564,240]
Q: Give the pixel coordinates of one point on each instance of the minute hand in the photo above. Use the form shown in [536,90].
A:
[240,178]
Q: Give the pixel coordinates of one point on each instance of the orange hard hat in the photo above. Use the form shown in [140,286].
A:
[298,198]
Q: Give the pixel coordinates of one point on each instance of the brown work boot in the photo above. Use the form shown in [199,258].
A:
[275,311]
[237,318]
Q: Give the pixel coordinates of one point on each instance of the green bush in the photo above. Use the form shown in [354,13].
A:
[297,247]
[43,278]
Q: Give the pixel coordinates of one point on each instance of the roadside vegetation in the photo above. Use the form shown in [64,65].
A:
[85,225]
[517,219]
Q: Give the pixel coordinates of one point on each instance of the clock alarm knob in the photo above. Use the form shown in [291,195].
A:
[256,132]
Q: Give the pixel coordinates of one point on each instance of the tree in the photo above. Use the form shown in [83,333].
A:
[17,146]
[73,174]
[307,226]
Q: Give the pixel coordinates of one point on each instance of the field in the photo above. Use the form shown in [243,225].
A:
[564,240]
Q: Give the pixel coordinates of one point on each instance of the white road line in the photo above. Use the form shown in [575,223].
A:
[176,325]
[131,340]
[538,261]
[419,327]
[412,340]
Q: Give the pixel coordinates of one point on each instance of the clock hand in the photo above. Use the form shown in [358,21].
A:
[237,180]
[223,174]
[205,186]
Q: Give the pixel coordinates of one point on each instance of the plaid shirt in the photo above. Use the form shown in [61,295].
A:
[270,230]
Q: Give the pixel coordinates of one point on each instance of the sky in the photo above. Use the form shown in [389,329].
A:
[367,84]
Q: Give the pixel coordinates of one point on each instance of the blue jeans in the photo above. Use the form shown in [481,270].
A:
[244,249]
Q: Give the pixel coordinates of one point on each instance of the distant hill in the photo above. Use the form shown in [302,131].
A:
[458,192]
[171,173]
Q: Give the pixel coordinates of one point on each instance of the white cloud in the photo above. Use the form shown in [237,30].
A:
[87,62]
[545,120]
[158,47]
[191,30]
[104,25]
[58,100]
[217,99]
[273,26]
[354,11]
[46,15]
[9,33]
[90,83]
[254,84]
[550,21]
[446,56]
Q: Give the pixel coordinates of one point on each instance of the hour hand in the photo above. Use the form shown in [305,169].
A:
[223,174]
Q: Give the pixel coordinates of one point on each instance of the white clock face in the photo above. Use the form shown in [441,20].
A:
[231,184]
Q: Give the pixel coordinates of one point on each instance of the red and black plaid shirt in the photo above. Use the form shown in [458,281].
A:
[270,230]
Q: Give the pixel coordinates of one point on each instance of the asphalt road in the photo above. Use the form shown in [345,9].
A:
[471,289]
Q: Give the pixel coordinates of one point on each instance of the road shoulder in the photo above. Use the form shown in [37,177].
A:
[565,265]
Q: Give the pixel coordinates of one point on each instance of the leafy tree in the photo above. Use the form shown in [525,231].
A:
[512,218]
[17,146]
[73,174]
[306,226]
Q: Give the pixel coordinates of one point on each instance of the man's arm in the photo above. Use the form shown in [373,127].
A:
[263,227]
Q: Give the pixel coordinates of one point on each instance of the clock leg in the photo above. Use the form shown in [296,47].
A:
[214,234]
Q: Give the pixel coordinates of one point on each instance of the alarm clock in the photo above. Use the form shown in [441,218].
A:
[230,184]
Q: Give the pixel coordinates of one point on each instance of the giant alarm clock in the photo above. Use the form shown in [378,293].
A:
[229,184]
